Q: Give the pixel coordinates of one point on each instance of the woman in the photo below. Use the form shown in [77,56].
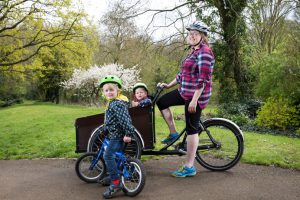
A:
[194,91]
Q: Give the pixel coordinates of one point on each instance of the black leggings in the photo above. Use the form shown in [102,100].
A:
[173,98]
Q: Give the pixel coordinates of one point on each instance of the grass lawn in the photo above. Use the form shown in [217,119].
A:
[44,130]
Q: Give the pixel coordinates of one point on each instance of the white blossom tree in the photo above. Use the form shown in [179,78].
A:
[84,82]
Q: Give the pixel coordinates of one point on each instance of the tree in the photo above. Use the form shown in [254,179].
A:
[117,32]
[267,22]
[84,83]
[27,26]
[57,64]
[279,72]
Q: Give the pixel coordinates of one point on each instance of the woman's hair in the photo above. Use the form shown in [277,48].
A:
[204,38]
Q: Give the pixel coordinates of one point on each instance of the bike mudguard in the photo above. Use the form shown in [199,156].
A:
[227,120]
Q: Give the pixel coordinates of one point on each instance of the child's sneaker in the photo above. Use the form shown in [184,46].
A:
[185,172]
[111,191]
[104,181]
[170,138]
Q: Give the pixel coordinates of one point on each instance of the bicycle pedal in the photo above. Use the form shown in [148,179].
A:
[180,146]
[182,151]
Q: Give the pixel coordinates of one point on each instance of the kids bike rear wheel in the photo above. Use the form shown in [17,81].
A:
[228,149]
[133,177]
[133,149]
[86,172]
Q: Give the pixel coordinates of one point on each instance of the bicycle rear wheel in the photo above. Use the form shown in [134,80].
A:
[133,177]
[85,172]
[133,149]
[229,149]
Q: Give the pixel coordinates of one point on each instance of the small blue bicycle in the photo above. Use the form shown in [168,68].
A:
[90,167]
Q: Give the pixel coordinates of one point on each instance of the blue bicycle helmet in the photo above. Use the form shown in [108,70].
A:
[199,27]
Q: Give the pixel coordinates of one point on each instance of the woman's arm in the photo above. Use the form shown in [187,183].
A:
[193,104]
[171,84]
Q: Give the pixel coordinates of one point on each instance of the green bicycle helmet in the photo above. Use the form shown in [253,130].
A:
[110,79]
[140,85]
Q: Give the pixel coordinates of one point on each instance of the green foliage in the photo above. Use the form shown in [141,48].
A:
[28,26]
[277,73]
[241,113]
[12,83]
[277,78]
[278,113]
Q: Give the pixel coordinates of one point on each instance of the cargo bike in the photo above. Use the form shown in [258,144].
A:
[221,142]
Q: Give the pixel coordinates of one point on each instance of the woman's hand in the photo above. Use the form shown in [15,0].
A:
[164,85]
[192,106]
[127,139]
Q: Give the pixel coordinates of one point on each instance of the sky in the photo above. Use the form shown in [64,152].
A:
[97,8]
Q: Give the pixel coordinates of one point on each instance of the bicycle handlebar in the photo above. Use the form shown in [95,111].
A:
[159,89]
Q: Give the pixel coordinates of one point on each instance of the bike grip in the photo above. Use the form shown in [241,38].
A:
[158,87]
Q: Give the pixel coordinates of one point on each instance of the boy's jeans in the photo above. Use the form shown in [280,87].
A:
[115,145]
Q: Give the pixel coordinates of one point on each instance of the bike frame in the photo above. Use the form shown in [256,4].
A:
[120,157]
[178,150]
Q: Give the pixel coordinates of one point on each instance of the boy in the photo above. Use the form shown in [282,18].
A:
[140,95]
[119,127]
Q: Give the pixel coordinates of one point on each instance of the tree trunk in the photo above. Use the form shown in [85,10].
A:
[234,28]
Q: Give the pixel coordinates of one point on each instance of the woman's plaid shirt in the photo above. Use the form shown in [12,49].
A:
[195,73]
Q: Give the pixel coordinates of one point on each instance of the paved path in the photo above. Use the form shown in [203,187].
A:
[56,180]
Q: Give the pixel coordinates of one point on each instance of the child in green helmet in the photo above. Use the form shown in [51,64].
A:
[119,126]
[140,95]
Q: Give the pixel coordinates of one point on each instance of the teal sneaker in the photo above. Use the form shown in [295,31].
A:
[185,172]
[170,138]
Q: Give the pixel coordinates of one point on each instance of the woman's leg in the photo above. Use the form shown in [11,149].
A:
[168,117]
[192,129]
[170,99]
[192,145]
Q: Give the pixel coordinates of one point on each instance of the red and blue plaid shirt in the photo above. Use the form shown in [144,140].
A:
[196,73]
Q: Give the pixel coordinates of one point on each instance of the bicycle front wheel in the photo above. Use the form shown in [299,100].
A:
[227,149]
[88,173]
[133,149]
[133,177]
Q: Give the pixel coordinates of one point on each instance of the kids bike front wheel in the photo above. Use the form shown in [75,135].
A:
[133,177]
[89,169]
[221,144]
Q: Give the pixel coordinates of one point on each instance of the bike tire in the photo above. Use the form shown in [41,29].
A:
[133,149]
[231,148]
[135,182]
[83,171]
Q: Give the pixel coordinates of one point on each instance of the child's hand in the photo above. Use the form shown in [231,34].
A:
[127,139]
[134,103]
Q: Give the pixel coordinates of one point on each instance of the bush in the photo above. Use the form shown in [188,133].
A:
[10,102]
[240,113]
[278,113]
